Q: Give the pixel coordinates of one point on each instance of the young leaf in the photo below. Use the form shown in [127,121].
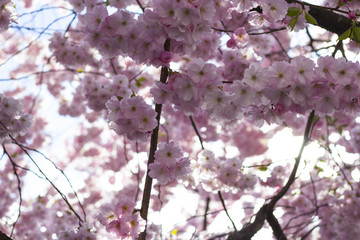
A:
[293,22]
[262,168]
[356,31]
[345,35]
[293,11]
[310,19]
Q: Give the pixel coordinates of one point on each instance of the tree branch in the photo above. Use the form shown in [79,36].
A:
[275,225]
[19,189]
[206,213]
[247,232]
[153,145]
[327,19]
[3,236]
[197,132]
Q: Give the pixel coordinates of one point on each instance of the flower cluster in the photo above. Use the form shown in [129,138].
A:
[189,93]
[271,93]
[120,219]
[6,15]
[181,91]
[169,163]
[121,34]
[142,38]
[69,53]
[84,232]
[185,21]
[12,120]
[224,174]
[132,117]
[343,211]
[98,91]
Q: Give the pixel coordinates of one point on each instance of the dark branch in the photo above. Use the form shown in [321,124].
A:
[153,145]
[275,226]
[225,209]
[197,132]
[4,237]
[206,213]
[329,20]
[19,189]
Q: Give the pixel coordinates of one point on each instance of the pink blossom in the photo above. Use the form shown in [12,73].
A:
[351,15]
[327,103]
[169,163]
[303,69]
[231,43]
[254,76]
[119,227]
[166,57]
[275,10]
[106,214]
[137,225]
[240,36]
[124,206]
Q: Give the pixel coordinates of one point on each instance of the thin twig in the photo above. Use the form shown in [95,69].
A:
[35,39]
[50,71]
[268,31]
[207,204]
[62,173]
[140,5]
[197,132]
[19,189]
[47,179]
[226,211]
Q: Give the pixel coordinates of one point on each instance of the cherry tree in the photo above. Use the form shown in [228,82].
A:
[171,107]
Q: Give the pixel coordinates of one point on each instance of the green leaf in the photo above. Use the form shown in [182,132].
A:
[356,31]
[342,3]
[171,72]
[345,35]
[107,3]
[319,169]
[293,11]
[262,168]
[340,129]
[293,22]
[310,19]
[139,81]
[133,94]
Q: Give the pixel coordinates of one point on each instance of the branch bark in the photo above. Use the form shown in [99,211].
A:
[153,145]
[328,19]
[3,236]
